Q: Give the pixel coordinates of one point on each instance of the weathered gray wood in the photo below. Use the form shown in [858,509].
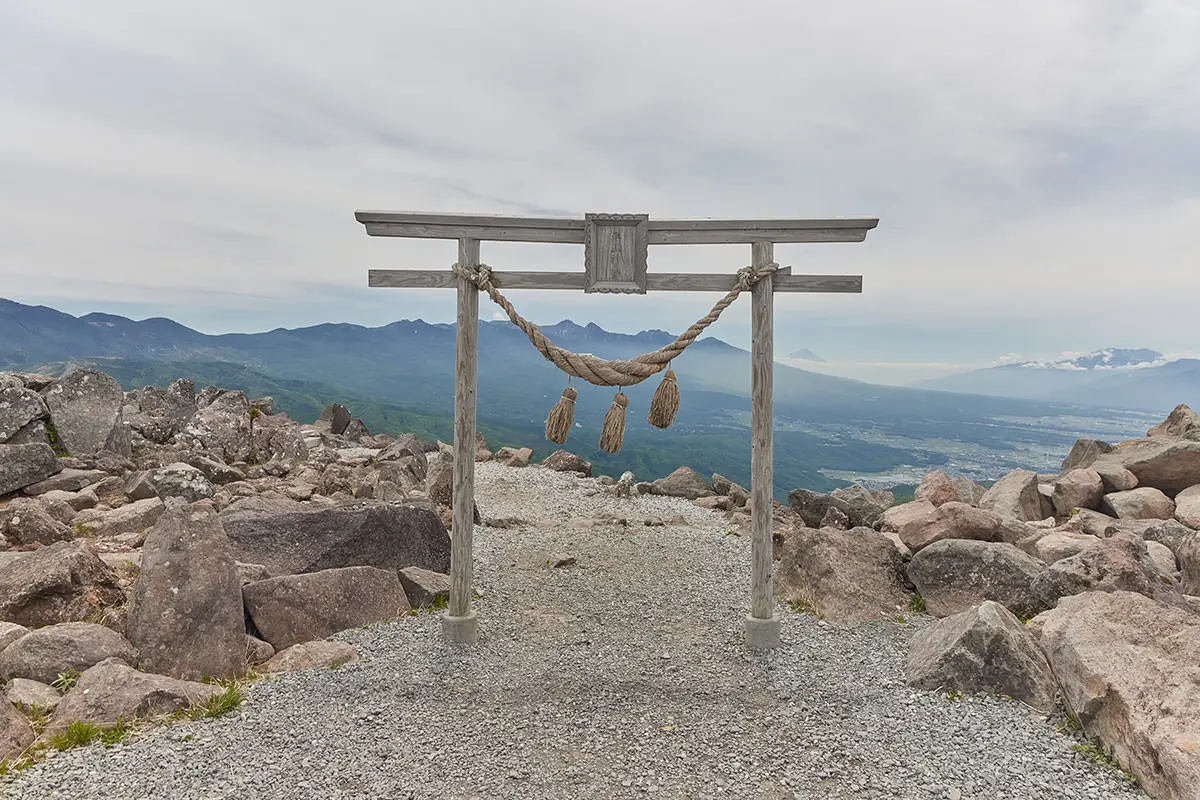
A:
[461,544]
[614,253]
[572,231]
[660,282]
[761,423]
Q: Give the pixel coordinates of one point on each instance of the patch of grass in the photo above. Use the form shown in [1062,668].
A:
[1096,754]
[901,619]
[955,696]
[65,681]
[916,603]
[804,605]
[38,717]
[77,734]
[230,697]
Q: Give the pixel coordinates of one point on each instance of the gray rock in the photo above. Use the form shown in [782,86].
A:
[1187,507]
[1057,545]
[1188,555]
[336,416]
[185,616]
[67,480]
[111,691]
[85,406]
[566,461]
[1015,496]
[1129,668]
[206,396]
[290,537]
[279,440]
[159,414]
[357,429]
[514,456]
[16,733]
[1079,488]
[19,408]
[812,506]
[1118,563]
[31,694]
[834,517]
[249,573]
[683,482]
[10,632]
[1145,502]
[257,651]
[867,505]
[424,587]
[182,481]
[1181,423]
[64,582]
[956,574]
[1084,453]
[1168,532]
[222,427]
[25,521]
[302,608]
[982,649]
[312,655]
[23,465]
[1162,559]
[136,517]
[45,653]
[848,577]
[216,471]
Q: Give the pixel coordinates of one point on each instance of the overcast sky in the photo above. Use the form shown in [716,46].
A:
[1035,165]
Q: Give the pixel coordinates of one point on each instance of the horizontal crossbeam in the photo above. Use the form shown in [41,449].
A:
[660,282]
[562,230]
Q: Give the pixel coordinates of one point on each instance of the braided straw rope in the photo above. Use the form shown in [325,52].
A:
[596,370]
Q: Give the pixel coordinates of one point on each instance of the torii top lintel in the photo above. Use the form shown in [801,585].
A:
[615,248]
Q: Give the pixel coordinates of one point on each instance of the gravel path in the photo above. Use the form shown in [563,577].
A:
[624,676]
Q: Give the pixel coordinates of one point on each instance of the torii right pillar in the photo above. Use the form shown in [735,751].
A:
[762,626]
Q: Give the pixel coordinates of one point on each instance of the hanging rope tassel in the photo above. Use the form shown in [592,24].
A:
[613,432]
[665,402]
[562,416]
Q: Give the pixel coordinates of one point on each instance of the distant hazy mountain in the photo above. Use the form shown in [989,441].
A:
[1112,378]
[827,428]
[804,354]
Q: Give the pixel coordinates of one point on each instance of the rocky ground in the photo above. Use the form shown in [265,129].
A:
[153,542]
[620,675]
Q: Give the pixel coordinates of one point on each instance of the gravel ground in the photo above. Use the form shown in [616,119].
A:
[623,676]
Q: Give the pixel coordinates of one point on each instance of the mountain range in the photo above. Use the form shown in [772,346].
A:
[1134,378]
[401,377]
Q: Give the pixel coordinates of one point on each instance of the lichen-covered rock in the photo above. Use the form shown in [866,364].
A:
[158,414]
[23,465]
[18,408]
[64,582]
[135,517]
[223,426]
[982,649]
[85,406]
[25,521]
[182,481]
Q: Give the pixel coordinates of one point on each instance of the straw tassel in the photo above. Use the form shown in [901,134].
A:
[613,431]
[562,416]
[665,402]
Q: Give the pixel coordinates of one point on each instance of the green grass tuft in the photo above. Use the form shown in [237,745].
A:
[1096,754]
[229,699]
[916,603]
[65,681]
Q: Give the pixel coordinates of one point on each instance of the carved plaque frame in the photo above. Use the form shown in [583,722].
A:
[615,250]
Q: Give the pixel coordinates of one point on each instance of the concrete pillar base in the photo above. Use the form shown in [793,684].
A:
[762,634]
[461,630]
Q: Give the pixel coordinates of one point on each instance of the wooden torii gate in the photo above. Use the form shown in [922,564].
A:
[615,256]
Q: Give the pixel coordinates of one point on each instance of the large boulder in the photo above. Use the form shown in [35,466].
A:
[1129,669]
[1015,496]
[1145,502]
[185,616]
[134,517]
[566,461]
[16,733]
[18,408]
[683,482]
[64,582]
[1118,563]
[953,575]
[897,517]
[1169,532]
[278,439]
[982,649]
[158,414]
[847,576]
[23,465]
[424,587]
[182,481]
[85,406]
[302,608]
[1187,507]
[1114,477]
[10,632]
[66,480]
[1181,423]
[289,537]
[335,418]
[953,520]
[222,427]
[45,653]
[1084,453]
[1171,465]
[112,691]
[937,487]
[1057,545]
[26,521]
[1079,488]
[813,506]
[868,505]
